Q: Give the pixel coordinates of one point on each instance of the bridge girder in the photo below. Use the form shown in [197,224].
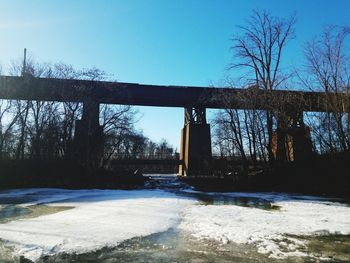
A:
[195,145]
[72,90]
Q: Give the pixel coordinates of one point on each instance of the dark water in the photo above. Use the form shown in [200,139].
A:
[169,246]
[14,212]
[234,200]
[10,212]
[174,246]
[171,184]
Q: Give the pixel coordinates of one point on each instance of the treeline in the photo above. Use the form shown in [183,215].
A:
[258,52]
[45,130]
[39,130]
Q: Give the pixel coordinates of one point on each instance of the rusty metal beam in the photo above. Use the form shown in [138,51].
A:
[30,88]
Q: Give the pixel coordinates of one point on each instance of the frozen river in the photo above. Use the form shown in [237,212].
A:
[169,221]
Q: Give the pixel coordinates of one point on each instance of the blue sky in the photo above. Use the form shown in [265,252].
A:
[179,42]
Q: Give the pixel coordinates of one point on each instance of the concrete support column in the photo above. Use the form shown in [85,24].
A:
[89,135]
[195,151]
[291,140]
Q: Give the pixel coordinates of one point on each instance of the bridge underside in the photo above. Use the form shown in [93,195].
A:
[291,140]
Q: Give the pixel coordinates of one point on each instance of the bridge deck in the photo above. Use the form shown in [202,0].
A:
[30,88]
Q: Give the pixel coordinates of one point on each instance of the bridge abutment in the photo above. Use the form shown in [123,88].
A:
[195,148]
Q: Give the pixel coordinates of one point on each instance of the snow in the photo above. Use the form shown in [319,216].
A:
[99,218]
[104,218]
[269,230]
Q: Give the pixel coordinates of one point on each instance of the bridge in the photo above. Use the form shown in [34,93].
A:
[195,149]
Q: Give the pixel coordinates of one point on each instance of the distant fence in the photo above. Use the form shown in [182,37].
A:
[124,156]
[140,158]
[169,158]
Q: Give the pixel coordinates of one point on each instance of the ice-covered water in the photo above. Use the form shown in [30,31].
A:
[170,220]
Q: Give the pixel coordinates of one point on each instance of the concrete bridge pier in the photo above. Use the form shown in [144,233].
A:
[195,148]
[291,140]
[89,135]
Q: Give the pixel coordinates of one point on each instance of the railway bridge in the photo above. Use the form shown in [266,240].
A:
[195,149]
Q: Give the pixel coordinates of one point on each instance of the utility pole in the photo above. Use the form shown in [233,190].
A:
[24,69]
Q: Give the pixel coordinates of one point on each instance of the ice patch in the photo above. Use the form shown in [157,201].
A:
[100,218]
[270,231]
[107,217]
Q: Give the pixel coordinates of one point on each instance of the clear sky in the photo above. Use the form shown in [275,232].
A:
[178,42]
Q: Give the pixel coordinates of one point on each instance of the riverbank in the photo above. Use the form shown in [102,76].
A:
[65,174]
[327,175]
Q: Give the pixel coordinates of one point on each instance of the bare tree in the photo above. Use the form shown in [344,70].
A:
[46,129]
[163,149]
[8,120]
[70,111]
[258,52]
[117,123]
[328,68]
[242,132]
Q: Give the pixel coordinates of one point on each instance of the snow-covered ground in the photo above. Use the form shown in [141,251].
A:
[99,218]
[272,231]
[107,217]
